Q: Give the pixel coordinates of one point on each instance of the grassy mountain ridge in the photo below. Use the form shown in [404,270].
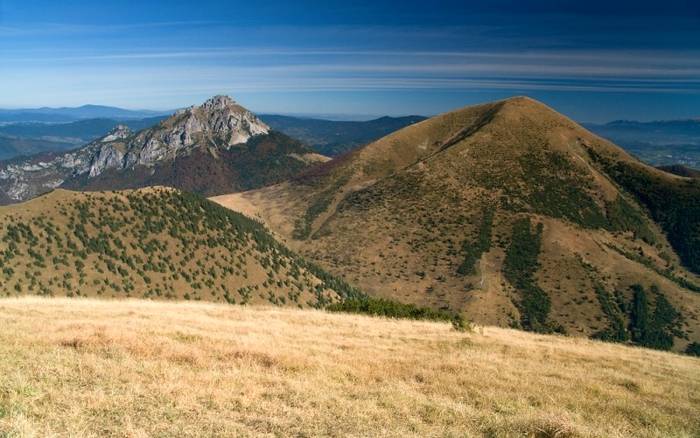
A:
[152,243]
[395,217]
[672,202]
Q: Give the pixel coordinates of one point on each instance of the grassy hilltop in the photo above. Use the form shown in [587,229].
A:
[510,213]
[84,367]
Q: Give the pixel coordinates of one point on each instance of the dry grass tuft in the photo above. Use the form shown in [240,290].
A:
[138,368]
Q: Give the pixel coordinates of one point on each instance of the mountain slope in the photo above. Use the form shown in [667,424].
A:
[151,243]
[332,138]
[505,211]
[213,148]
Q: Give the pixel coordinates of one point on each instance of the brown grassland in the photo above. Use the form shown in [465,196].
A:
[84,367]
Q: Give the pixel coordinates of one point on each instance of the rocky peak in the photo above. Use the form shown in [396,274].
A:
[225,119]
[119,132]
[218,102]
[218,123]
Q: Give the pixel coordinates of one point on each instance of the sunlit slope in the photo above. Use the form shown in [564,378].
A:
[78,367]
[509,212]
[151,243]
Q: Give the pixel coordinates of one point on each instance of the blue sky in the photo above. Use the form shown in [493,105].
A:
[594,61]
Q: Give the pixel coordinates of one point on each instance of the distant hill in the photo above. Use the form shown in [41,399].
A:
[214,148]
[510,213]
[334,138]
[659,143]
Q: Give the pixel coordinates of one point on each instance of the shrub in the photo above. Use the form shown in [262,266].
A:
[653,329]
[519,268]
[472,251]
[693,349]
[389,309]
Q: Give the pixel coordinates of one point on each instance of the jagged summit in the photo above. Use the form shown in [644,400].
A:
[119,132]
[218,102]
[221,115]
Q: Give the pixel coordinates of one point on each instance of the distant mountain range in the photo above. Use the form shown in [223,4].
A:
[326,137]
[680,170]
[11,147]
[332,138]
[28,138]
[69,114]
[78,132]
[659,143]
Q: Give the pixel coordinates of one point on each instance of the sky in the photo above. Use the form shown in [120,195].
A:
[594,61]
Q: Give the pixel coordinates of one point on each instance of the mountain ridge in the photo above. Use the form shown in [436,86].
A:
[69,114]
[333,138]
[135,243]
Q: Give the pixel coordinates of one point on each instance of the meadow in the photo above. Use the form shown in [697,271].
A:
[87,367]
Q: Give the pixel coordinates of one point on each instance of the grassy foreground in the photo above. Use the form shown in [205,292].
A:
[82,367]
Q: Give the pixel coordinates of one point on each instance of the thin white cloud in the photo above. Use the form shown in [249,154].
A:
[603,64]
[48,28]
[600,56]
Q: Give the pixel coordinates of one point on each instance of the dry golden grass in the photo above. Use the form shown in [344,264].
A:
[82,367]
